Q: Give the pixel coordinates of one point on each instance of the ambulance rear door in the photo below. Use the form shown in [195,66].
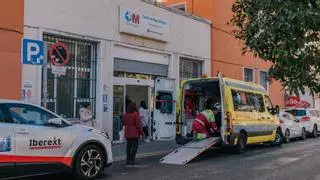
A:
[223,106]
[164,114]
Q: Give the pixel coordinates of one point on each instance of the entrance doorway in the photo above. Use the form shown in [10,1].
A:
[137,94]
[136,90]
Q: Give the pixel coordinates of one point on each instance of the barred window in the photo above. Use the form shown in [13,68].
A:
[66,93]
[248,75]
[190,69]
[264,79]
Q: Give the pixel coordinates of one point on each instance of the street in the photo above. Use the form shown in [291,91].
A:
[297,160]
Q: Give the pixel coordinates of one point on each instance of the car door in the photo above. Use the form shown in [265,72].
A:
[7,145]
[295,125]
[41,147]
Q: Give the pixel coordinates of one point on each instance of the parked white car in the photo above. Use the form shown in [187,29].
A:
[310,118]
[36,141]
[291,127]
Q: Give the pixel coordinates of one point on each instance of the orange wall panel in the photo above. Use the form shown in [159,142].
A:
[226,50]
[11,32]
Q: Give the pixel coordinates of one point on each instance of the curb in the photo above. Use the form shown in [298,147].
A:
[143,155]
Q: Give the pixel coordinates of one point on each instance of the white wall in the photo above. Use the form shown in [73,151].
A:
[99,19]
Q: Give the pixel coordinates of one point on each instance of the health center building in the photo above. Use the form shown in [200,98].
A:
[117,49]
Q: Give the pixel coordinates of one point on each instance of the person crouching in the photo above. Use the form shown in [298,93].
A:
[204,124]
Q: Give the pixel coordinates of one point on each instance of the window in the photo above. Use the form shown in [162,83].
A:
[26,114]
[1,117]
[244,101]
[297,112]
[263,79]
[268,104]
[66,93]
[248,75]
[164,102]
[181,7]
[190,69]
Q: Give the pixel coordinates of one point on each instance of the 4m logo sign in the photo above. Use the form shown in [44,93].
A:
[54,143]
[132,18]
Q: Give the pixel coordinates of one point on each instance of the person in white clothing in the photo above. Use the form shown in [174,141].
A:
[145,120]
[86,117]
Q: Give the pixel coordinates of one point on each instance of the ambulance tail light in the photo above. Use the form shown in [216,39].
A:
[229,122]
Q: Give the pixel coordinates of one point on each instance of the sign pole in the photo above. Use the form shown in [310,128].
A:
[45,77]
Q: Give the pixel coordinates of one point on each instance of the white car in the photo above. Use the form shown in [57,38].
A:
[291,127]
[309,118]
[36,141]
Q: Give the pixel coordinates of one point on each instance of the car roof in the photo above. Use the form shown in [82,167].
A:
[2,101]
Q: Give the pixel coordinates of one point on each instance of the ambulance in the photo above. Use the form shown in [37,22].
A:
[246,113]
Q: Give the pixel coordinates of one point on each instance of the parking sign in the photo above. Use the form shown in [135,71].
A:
[32,52]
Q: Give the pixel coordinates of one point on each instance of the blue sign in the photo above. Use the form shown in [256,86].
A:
[32,52]
[5,144]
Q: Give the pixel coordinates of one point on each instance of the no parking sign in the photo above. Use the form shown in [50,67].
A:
[59,57]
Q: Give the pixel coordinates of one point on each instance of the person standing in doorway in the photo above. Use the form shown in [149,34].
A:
[133,131]
[145,120]
[86,117]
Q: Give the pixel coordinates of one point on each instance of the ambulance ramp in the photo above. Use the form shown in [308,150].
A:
[189,151]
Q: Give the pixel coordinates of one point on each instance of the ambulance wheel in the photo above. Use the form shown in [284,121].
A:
[278,139]
[89,163]
[241,146]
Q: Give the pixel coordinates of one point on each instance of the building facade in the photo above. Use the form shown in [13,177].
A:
[226,50]
[117,49]
[11,32]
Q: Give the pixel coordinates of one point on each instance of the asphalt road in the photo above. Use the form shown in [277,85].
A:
[299,160]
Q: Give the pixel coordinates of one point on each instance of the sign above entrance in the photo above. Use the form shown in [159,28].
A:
[59,54]
[141,24]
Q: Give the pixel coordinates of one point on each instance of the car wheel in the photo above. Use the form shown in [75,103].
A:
[241,146]
[315,131]
[286,137]
[89,162]
[278,138]
[303,134]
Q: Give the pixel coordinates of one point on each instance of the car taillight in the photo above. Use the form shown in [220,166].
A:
[229,122]
[305,118]
[281,121]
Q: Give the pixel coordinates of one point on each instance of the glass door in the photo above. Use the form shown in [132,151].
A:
[118,111]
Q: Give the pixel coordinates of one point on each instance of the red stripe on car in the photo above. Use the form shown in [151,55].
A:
[35,159]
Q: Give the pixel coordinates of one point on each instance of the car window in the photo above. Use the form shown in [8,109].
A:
[1,116]
[297,112]
[27,114]
[268,103]
[5,116]
[245,101]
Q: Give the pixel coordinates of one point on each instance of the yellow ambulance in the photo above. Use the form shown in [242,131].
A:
[245,112]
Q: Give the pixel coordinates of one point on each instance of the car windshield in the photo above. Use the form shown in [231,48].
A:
[297,112]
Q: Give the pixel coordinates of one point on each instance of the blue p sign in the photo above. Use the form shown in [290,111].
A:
[32,52]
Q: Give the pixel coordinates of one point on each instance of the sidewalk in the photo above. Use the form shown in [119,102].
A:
[153,148]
